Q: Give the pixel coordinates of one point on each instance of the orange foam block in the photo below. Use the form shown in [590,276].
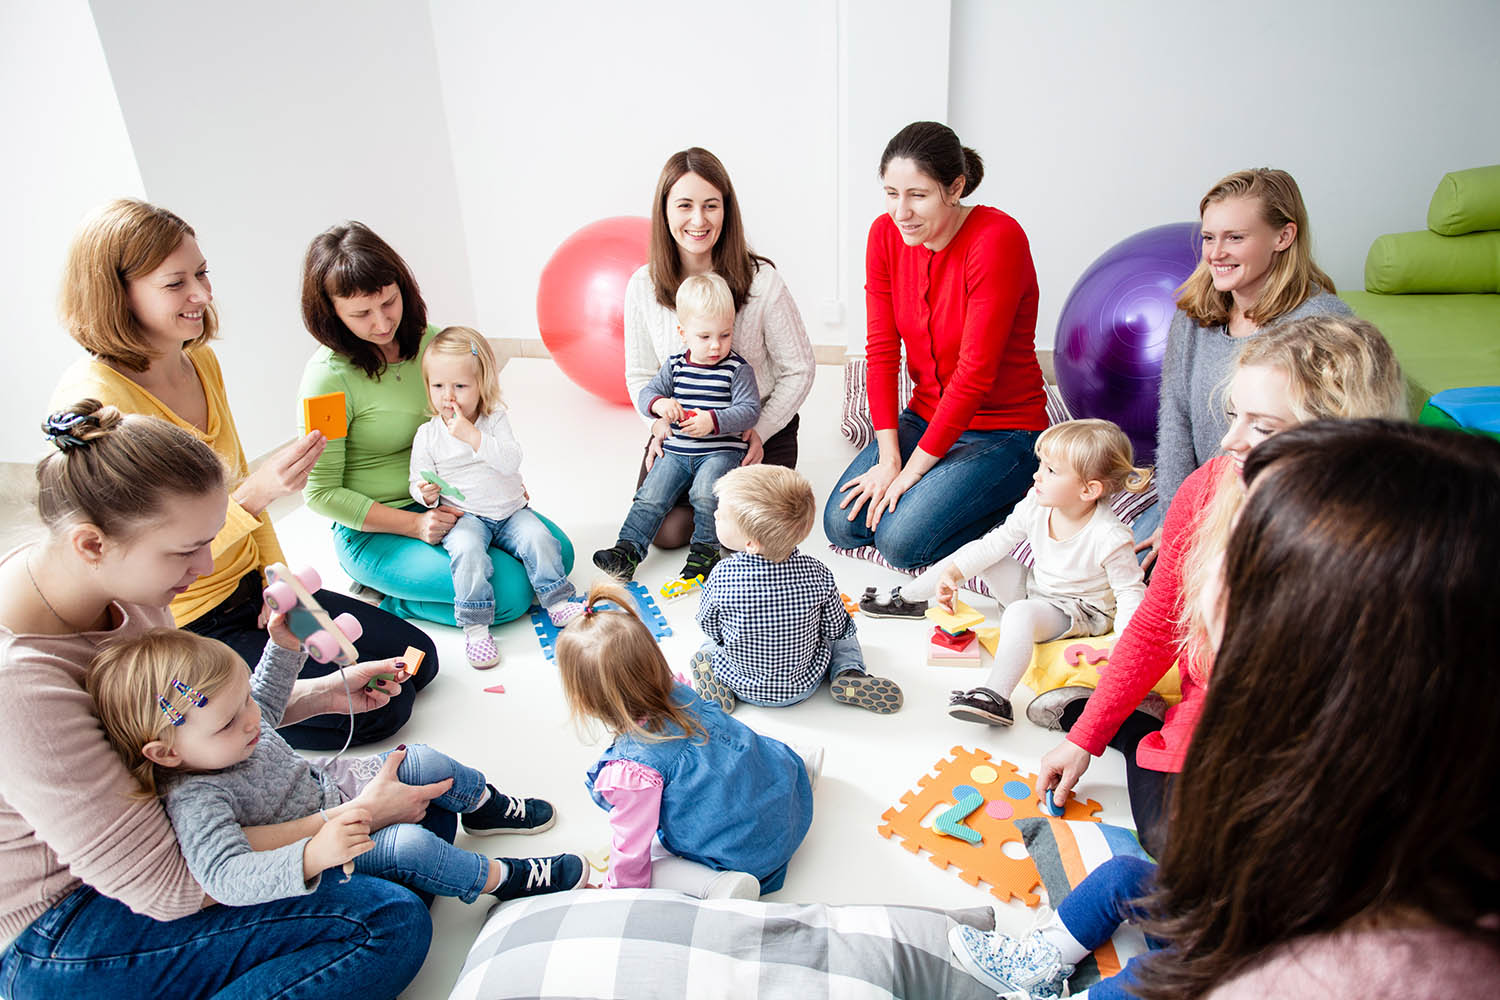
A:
[326,413]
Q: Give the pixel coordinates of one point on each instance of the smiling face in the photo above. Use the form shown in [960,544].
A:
[1259,406]
[707,337]
[695,217]
[453,384]
[218,735]
[1239,246]
[923,211]
[160,559]
[372,317]
[169,302]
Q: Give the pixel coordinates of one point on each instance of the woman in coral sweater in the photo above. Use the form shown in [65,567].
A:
[954,285]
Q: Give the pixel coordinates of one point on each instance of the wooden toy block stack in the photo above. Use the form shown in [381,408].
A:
[953,642]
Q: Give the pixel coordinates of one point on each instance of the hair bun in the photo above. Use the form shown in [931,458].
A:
[83,422]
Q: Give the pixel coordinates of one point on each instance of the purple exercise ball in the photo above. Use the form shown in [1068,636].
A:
[1112,332]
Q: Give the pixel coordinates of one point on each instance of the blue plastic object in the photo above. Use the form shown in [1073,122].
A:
[645,606]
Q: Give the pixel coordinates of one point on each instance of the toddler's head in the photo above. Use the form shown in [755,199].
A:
[705,317]
[613,670]
[461,373]
[1086,459]
[765,509]
[172,699]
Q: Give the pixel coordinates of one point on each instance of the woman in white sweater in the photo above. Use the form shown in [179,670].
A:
[696,228]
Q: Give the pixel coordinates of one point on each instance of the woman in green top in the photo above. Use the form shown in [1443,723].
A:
[360,301]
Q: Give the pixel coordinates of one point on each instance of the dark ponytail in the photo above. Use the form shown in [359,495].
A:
[935,149]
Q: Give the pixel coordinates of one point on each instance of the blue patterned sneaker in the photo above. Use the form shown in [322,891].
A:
[1027,968]
[508,814]
[539,876]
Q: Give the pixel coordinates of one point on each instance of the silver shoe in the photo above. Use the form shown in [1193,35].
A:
[1046,709]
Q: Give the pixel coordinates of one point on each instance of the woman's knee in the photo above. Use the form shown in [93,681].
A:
[843,533]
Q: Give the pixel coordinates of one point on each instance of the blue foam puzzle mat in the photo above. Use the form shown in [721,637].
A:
[645,604]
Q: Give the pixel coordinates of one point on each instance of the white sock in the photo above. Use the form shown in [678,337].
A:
[483,798]
[812,759]
[1055,933]
[475,631]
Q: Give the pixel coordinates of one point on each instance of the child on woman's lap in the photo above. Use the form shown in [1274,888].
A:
[1085,579]
[709,394]
[196,727]
[467,457]
[730,806]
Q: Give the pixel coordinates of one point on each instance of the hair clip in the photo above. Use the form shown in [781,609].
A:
[197,699]
[59,427]
[173,716]
[588,611]
[473,348]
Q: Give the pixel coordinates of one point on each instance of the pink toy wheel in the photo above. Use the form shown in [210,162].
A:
[310,579]
[350,626]
[322,647]
[280,597]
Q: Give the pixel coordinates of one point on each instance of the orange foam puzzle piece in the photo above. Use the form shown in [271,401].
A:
[1008,878]
[326,413]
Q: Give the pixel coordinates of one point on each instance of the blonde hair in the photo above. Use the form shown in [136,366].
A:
[128,676]
[117,472]
[706,296]
[1095,450]
[125,240]
[1337,367]
[612,670]
[1293,278]
[461,342]
[774,506]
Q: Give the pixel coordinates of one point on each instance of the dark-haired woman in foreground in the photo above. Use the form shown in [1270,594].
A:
[1334,829]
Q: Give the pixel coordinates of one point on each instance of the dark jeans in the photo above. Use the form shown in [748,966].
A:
[1150,791]
[677,527]
[385,635]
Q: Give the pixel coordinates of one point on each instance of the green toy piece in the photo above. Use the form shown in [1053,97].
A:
[444,488]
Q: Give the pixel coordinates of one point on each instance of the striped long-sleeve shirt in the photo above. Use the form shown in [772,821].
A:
[727,390]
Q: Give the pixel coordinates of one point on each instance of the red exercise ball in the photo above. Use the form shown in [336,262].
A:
[580,302]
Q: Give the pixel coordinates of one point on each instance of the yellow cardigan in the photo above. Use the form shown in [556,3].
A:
[246,542]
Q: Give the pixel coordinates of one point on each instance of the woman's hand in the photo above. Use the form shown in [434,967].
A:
[389,801]
[1151,546]
[755,449]
[284,473]
[435,523]
[660,428]
[870,486]
[886,502]
[1061,768]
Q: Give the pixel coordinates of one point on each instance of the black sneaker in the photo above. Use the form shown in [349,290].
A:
[878,605]
[539,876]
[981,705]
[508,814]
[620,561]
[701,561]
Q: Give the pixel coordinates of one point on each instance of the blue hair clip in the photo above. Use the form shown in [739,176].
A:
[173,716]
[473,348]
[192,694]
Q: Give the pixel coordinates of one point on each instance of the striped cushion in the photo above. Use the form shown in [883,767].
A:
[855,423]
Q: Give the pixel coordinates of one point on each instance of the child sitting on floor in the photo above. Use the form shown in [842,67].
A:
[730,804]
[1085,579]
[709,394]
[467,457]
[775,622]
[196,727]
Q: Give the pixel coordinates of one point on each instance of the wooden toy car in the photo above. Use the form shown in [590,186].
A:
[326,639]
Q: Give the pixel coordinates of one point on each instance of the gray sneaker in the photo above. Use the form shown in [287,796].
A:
[1046,709]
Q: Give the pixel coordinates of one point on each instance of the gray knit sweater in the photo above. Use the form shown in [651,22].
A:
[1191,420]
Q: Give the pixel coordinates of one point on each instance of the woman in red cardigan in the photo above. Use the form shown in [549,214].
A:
[954,285]
[1315,368]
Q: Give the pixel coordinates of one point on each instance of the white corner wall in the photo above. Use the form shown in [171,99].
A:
[1098,119]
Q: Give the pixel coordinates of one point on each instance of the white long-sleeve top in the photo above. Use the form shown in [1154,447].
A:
[489,479]
[768,333]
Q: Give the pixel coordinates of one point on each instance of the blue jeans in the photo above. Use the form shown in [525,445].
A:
[970,490]
[524,536]
[1146,522]
[659,491]
[360,939]
[1102,902]
[416,856]
[845,656]
[417,579]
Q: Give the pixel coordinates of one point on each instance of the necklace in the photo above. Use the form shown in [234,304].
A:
[36,587]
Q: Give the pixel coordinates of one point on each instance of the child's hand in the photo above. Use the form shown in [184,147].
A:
[462,428]
[700,424]
[430,493]
[947,587]
[343,838]
[280,632]
[669,408]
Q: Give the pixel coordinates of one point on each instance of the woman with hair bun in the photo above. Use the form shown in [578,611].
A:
[954,286]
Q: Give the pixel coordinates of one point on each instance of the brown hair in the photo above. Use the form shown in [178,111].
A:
[935,149]
[466,342]
[613,670]
[117,472]
[774,506]
[125,240]
[1096,450]
[1335,779]
[127,676]
[351,260]
[733,259]
[1293,278]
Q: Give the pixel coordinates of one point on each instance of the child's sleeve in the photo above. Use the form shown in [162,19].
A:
[422,460]
[220,857]
[837,624]
[744,404]
[660,387]
[271,683]
[987,550]
[633,792]
[1126,579]
[498,447]
[709,613]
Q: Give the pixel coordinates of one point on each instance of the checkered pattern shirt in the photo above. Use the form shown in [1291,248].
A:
[773,623]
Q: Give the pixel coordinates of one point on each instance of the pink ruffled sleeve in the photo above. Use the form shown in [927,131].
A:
[634,793]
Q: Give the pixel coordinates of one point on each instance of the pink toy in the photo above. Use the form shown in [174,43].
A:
[1082,652]
[496,689]
[326,639]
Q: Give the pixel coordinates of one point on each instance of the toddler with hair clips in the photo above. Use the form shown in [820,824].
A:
[1085,579]
[467,457]
[730,806]
[197,728]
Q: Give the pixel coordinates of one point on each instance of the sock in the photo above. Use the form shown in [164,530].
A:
[475,631]
[1055,933]
[504,874]
[482,799]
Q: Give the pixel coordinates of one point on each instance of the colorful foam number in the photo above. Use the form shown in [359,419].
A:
[951,823]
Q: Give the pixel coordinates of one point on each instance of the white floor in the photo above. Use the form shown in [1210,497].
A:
[581,460]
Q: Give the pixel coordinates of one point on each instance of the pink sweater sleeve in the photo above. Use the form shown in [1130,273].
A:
[634,793]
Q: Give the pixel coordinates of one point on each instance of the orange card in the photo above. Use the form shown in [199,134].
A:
[326,413]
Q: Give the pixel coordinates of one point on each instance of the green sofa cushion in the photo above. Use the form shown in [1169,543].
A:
[1466,201]
[1442,341]
[1403,263]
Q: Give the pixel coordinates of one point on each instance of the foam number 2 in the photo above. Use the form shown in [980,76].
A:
[966,800]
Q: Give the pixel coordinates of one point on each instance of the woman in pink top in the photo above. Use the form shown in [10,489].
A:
[1319,367]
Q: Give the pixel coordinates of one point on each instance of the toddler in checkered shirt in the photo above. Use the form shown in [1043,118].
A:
[775,622]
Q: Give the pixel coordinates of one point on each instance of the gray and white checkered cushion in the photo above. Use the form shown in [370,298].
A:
[659,944]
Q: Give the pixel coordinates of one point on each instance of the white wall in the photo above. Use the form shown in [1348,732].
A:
[65,152]
[263,124]
[1099,119]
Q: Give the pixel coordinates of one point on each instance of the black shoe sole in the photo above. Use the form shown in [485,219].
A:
[968,714]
